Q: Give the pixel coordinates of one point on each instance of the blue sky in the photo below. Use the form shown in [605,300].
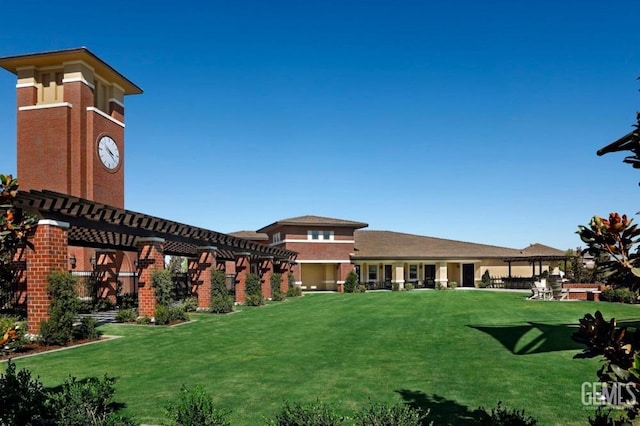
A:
[474,121]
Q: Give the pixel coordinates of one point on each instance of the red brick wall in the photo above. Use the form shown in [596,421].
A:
[49,255]
[321,251]
[242,270]
[107,186]
[43,149]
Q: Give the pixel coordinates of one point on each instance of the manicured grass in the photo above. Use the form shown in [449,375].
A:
[450,351]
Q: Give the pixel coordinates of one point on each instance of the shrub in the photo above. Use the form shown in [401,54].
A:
[501,416]
[453,284]
[196,408]
[221,300]
[163,284]
[395,287]
[362,289]
[408,287]
[102,305]
[58,329]
[145,320]
[253,291]
[177,313]
[161,314]
[86,329]
[620,294]
[314,414]
[190,304]
[22,399]
[86,402]
[351,282]
[486,279]
[254,300]
[125,315]
[276,293]
[127,300]
[294,291]
[385,415]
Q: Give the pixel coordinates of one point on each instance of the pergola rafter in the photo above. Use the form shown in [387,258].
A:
[98,225]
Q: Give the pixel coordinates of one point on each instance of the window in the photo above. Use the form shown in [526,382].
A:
[372,273]
[413,272]
[276,238]
[320,235]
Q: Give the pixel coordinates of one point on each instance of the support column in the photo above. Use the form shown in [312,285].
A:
[266,269]
[49,255]
[242,270]
[200,273]
[343,270]
[150,258]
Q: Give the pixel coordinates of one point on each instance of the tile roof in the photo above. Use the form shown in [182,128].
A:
[390,245]
[250,235]
[310,220]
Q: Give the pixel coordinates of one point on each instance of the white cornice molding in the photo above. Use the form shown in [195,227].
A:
[325,261]
[43,106]
[105,115]
[78,80]
[21,85]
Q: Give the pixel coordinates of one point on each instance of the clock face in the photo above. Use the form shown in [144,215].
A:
[108,152]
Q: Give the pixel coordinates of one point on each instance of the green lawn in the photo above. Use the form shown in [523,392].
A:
[450,351]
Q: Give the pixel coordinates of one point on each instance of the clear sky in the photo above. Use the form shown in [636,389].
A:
[468,120]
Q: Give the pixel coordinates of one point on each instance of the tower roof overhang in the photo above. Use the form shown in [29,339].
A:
[58,57]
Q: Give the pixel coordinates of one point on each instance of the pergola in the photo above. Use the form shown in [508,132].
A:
[65,220]
[533,259]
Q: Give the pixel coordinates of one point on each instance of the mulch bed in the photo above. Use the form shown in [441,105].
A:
[34,348]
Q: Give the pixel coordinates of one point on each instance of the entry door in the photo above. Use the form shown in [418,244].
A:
[468,275]
[430,276]
[388,273]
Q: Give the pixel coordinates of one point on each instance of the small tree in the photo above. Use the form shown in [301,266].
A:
[62,290]
[15,228]
[276,292]
[351,282]
[221,300]
[486,279]
[163,284]
[293,290]
[253,291]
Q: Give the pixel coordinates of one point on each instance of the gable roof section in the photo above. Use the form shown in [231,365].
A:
[542,250]
[396,245]
[310,220]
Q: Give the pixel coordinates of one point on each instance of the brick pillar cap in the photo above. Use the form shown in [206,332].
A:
[149,240]
[58,223]
[207,248]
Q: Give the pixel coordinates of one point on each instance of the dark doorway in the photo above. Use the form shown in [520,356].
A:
[388,273]
[468,275]
[430,276]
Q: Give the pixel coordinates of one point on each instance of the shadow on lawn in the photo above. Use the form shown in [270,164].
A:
[442,411]
[550,337]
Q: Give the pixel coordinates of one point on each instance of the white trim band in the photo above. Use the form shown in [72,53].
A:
[21,85]
[345,261]
[58,223]
[287,240]
[43,106]
[117,102]
[105,115]
[77,80]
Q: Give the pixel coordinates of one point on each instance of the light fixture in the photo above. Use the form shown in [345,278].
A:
[72,261]
[135,263]
[92,259]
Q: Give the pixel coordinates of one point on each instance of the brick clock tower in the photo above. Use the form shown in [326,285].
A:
[70,129]
[70,125]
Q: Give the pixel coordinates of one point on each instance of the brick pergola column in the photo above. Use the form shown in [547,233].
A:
[200,272]
[343,271]
[242,270]
[266,269]
[150,258]
[49,255]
